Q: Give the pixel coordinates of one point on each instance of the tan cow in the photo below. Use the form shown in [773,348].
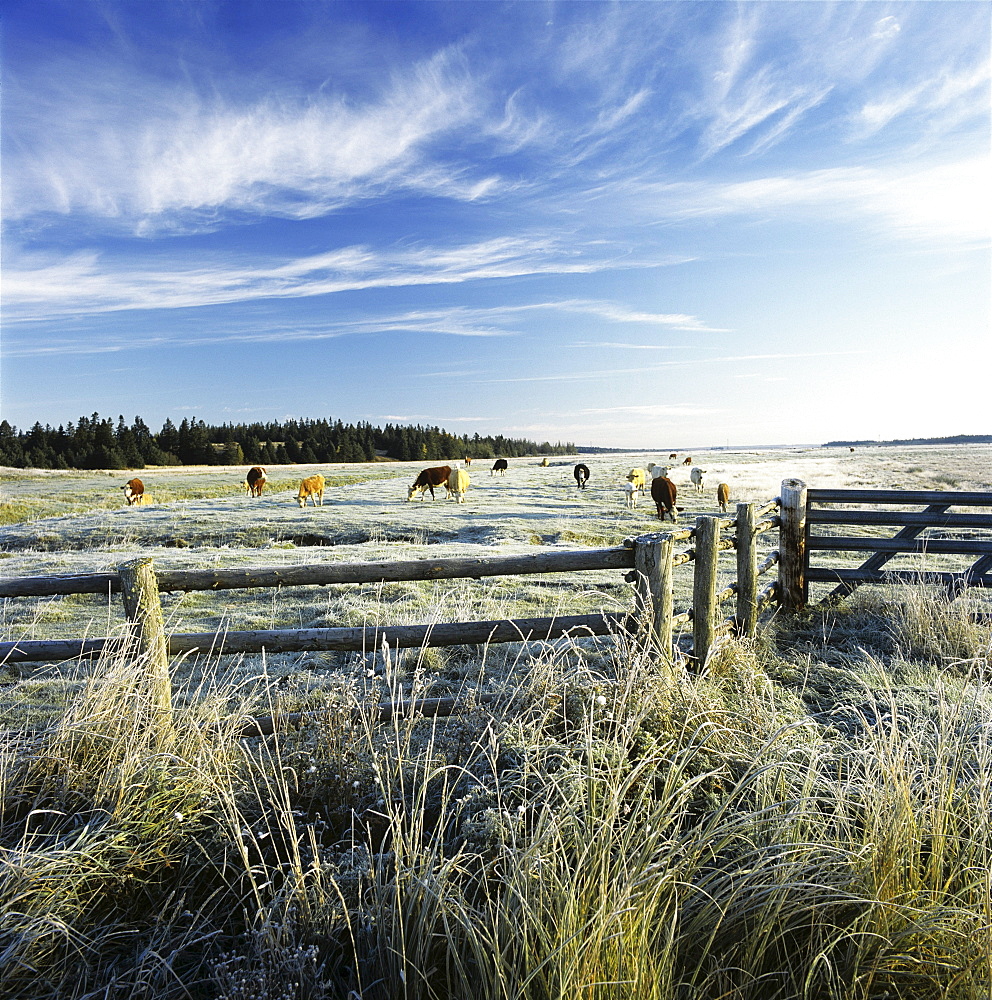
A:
[637,477]
[458,484]
[723,496]
[311,488]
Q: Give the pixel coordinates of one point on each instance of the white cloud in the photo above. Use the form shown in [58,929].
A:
[35,288]
[493,321]
[937,103]
[657,410]
[660,366]
[947,202]
[886,28]
[150,157]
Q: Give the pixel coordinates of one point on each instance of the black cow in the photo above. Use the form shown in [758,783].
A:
[500,466]
[581,474]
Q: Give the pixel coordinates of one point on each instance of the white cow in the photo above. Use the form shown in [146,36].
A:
[631,491]
[696,477]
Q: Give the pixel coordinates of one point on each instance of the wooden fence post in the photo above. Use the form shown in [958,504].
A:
[139,589]
[653,565]
[704,604]
[792,586]
[747,571]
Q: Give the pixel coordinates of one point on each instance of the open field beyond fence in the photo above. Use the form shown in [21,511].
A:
[806,814]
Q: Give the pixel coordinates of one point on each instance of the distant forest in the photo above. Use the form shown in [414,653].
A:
[956,439]
[95,443]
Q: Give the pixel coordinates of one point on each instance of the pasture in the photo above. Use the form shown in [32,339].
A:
[808,815]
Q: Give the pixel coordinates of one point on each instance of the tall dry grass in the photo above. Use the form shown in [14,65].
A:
[807,816]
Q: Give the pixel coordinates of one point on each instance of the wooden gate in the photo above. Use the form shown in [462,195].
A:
[935,530]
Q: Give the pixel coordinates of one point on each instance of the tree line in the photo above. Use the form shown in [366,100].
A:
[955,439]
[100,443]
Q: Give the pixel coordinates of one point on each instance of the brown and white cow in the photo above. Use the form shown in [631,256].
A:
[664,493]
[311,488]
[428,479]
[255,481]
[133,491]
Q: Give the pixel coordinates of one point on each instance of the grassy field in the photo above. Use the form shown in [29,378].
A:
[808,815]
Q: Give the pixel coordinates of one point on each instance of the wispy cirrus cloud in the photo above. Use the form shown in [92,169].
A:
[456,321]
[935,203]
[146,156]
[659,366]
[935,104]
[36,287]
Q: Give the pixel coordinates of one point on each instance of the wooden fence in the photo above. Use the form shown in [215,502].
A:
[935,530]
[651,561]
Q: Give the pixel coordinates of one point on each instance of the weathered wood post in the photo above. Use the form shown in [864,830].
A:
[747,571]
[653,566]
[704,606]
[792,586]
[139,589]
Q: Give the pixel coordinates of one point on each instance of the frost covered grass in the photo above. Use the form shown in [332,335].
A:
[808,816]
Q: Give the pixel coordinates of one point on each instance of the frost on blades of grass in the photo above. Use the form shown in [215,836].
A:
[762,828]
[807,816]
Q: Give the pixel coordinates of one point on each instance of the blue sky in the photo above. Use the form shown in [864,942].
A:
[630,224]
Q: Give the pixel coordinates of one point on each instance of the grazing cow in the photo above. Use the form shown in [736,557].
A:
[631,491]
[468,459]
[659,471]
[428,479]
[311,488]
[458,483]
[581,473]
[637,477]
[663,493]
[723,496]
[499,466]
[255,481]
[687,460]
[672,456]
[696,477]
[133,490]
[852,449]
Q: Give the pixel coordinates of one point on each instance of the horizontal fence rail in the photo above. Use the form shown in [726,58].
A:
[617,557]
[953,498]
[937,516]
[368,638]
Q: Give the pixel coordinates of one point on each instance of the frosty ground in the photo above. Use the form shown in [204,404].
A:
[203,519]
